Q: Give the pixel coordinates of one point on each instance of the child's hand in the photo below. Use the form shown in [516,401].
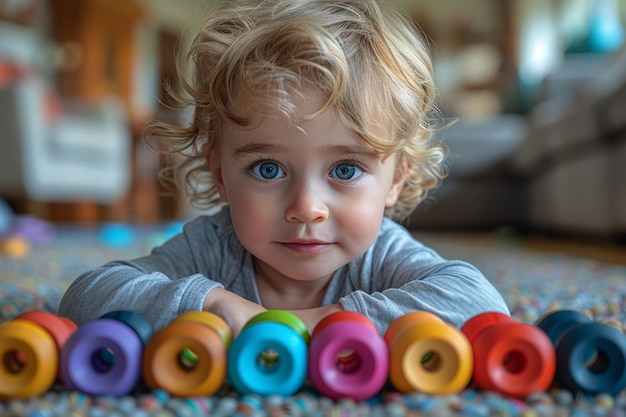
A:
[233,308]
[312,316]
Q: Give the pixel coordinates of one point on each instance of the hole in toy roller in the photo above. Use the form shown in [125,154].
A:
[514,362]
[14,361]
[268,359]
[187,359]
[348,361]
[103,360]
[431,362]
[598,363]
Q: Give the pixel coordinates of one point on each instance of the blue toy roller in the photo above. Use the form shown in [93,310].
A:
[591,356]
[268,357]
[135,321]
[556,323]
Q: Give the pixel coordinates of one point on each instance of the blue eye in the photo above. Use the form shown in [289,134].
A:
[267,170]
[345,171]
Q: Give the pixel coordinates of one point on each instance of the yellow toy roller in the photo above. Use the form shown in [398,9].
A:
[428,355]
[29,349]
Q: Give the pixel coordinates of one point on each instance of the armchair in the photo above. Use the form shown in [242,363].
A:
[54,150]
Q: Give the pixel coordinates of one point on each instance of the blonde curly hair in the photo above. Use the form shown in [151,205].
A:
[368,60]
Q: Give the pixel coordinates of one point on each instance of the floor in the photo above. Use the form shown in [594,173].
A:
[600,251]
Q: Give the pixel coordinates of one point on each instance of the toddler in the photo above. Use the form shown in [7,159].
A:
[312,133]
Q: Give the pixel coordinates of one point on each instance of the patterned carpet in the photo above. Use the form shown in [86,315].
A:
[532,283]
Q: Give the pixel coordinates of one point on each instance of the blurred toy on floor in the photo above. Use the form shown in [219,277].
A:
[18,232]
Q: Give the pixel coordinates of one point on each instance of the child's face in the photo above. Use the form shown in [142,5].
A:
[306,197]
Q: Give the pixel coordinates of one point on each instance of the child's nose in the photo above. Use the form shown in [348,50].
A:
[306,205]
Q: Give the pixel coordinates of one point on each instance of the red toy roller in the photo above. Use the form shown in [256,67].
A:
[510,357]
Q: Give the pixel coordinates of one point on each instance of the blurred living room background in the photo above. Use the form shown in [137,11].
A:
[538,86]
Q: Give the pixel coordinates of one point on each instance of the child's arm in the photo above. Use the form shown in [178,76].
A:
[122,286]
[399,275]
[175,278]
[117,286]
[452,290]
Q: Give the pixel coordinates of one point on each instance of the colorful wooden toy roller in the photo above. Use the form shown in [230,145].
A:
[510,357]
[188,356]
[29,348]
[347,357]
[428,355]
[103,357]
[590,356]
[270,355]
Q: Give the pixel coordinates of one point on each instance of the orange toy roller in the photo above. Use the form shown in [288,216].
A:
[188,356]
[511,357]
[428,355]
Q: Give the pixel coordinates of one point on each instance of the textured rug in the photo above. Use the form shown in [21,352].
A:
[33,275]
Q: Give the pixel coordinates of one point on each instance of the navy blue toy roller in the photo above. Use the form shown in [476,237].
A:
[591,356]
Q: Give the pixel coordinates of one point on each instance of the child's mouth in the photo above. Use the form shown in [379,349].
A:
[306,248]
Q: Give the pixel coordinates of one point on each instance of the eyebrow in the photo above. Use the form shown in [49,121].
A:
[351,149]
[249,148]
[252,148]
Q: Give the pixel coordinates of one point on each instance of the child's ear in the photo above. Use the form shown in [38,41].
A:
[399,178]
[215,165]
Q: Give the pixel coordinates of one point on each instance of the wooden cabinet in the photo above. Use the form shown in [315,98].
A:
[98,39]
[97,43]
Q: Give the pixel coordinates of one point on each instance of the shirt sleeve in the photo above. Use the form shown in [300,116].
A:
[399,275]
[173,279]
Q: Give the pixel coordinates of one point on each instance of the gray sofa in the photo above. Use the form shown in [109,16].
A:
[561,168]
[573,157]
[481,190]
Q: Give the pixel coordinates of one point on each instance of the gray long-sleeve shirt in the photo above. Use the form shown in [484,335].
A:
[396,275]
